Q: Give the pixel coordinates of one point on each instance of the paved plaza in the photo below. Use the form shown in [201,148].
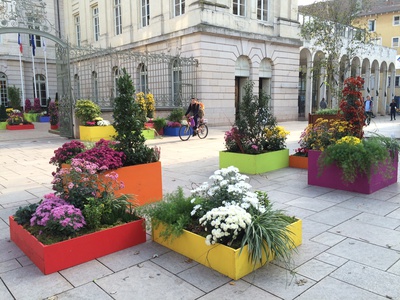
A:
[350,250]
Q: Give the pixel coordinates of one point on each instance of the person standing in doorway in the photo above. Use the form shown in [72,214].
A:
[322,104]
[393,107]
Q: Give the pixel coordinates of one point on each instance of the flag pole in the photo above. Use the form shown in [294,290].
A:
[45,67]
[20,71]
[33,41]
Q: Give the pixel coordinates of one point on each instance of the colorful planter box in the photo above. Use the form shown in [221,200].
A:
[300,162]
[331,177]
[20,127]
[96,133]
[255,163]
[69,253]
[44,119]
[221,258]
[53,127]
[3,125]
[31,117]
[171,131]
[148,134]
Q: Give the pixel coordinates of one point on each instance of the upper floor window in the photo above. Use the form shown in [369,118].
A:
[239,7]
[3,89]
[179,7]
[117,17]
[397,81]
[396,20]
[371,25]
[262,10]
[145,13]
[395,42]
[77,30]
[96,23]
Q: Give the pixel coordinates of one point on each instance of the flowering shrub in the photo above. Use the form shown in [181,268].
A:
[255,129]
[65,219]
[66,152]
[42,213]
[323,133]
[36,105]
[173,124]
[53,113]
[16,118]
[226,211]
[28,105]
[146,103]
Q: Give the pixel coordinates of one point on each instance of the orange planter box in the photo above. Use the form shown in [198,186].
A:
[299,162]
[69,253]
[144,181]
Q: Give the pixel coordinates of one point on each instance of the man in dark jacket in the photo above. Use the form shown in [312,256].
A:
[193,109]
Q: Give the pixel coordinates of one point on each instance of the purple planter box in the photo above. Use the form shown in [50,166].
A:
[331,177]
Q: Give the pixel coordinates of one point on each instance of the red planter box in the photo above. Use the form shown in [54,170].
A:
[69,253]
[331,177]
[20,127]
[300,162]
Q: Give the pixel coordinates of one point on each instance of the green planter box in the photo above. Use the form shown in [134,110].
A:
[3,125]
[31,117]
[255,163]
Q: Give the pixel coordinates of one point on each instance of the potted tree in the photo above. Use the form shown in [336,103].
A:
[255,144]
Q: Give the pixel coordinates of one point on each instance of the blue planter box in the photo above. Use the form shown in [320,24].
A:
[44,119]
[171,131]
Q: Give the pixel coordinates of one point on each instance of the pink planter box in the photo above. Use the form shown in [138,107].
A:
[331,177]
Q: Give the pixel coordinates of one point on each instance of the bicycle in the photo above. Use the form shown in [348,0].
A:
[368,117]
[186,131]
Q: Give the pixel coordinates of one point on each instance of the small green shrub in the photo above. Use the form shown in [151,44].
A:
[159,123]
[14,97]
[176,115]
[24,214]
[86,110]
[327,111]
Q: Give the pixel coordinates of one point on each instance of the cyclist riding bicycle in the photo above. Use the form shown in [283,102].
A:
[193,110]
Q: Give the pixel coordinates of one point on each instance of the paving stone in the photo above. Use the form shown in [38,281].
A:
[370,279]
[8,265]
[85,292]
[328,239]
[310,203]
[336,196]
[4,293]
[278,281]
[394,214]
[204,278]
[174,262]
[381,195]
[369,205]
[85,272]
[300,213]
[24,261]
[333,215]
[315,269]
[369,233]
[303,253]
[395,269]
[280,196]
[238,290]
[365,253]
[333,289]
[147,281]
[29,283]
[378,220]
[312,229]
[331,259]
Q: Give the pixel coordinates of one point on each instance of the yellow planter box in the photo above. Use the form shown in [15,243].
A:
[255,163]
[218,257]
[96,133]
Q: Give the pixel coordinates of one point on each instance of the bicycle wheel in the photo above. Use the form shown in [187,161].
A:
[202,131]
[184,132]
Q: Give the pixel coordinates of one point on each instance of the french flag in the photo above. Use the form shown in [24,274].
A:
[19,43]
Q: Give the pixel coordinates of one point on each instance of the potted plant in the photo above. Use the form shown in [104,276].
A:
[3,117]
[142,168]
[81,220]
[255,144]
[224,225]
[28,105]
[326,113]
[93,127]
[159,124]
[356,165]
[16,121]
[14,97]
[53,113]
[34,112]
[174,122]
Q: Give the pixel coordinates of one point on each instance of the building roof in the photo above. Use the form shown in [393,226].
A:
[381,9]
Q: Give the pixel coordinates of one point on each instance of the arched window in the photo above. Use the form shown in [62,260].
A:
[116,74]
[41,89]
[95,87]
[177,83]
[3,89]
[143,79]
[77,87]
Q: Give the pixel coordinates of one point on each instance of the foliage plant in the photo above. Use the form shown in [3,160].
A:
[327,111]
[176,115]
[352,105]
[3,113]
[82,202]
[255,130]
[356,156]
[86,110]
[225,210]
[53,113]
[159,123]
[128,124]
[14,97]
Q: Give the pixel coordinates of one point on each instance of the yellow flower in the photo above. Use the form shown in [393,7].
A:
[351,140]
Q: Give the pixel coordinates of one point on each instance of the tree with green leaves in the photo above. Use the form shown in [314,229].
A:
[128,124]
[333,27]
